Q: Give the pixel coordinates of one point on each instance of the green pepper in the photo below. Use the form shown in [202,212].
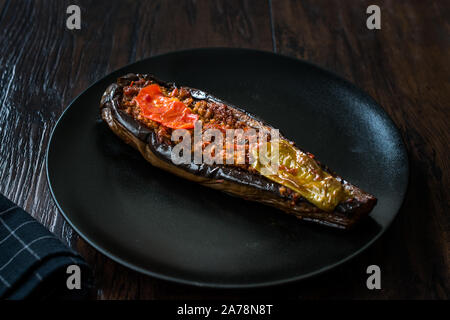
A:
[298,171]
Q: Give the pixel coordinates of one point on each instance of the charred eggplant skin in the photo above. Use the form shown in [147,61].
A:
[232,180]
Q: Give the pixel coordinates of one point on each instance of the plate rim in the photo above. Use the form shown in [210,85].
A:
[212,284]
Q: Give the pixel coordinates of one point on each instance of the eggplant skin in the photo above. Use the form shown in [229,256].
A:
[232,180]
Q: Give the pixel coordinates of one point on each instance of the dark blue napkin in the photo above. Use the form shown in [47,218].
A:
[33,262]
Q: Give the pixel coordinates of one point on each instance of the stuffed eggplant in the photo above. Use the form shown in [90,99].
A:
[145,112]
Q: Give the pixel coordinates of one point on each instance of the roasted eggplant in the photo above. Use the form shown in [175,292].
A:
[144,111]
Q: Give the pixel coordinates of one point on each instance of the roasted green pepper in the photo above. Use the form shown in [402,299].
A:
[296,170]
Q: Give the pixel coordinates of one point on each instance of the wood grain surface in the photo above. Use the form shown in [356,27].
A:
[404,66]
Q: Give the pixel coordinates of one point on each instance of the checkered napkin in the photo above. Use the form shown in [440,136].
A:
[33,262]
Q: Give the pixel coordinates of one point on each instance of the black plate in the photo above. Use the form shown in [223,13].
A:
[174,229]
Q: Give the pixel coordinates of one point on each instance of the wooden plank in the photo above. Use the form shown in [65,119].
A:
[405,67]
[44,66]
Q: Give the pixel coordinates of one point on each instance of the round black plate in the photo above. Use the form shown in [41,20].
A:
[174,229]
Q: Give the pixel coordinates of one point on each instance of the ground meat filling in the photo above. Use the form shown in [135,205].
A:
[212,115]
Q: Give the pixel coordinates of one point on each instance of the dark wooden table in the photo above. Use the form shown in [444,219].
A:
[404,66]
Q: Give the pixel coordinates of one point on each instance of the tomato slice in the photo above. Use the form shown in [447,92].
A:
[168,111]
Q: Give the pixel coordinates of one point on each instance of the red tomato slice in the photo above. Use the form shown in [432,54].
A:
[168,111]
